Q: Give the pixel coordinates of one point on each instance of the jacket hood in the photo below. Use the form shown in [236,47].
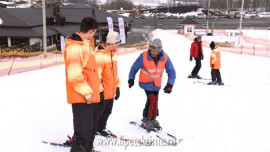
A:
[74,38]
[102,47]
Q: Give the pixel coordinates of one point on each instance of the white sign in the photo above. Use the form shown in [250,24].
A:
[1,21]
[110,24]
[62,41]
[122,30]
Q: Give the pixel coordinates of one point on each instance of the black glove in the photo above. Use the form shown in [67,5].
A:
[202,57]
[117,93]
[190,58]
[130,83]
[168,88]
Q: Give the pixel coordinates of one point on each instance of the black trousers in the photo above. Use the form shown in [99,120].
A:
[215,74]
[84,118]
[197,67]
[104,111]
[151,107]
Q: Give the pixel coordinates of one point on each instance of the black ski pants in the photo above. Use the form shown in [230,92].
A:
[151,107]
[104,111]
[197,67]
[215,74]
[84,118]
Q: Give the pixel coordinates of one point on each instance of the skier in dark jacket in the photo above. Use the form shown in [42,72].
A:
[152,64]
[196,52]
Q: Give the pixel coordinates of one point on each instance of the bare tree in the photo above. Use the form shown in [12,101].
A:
[217,4]
[256,4]
[267,5]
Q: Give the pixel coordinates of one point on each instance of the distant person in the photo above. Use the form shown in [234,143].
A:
[106,59]
[196,52]
[152,64]
[215,65]
[82,84]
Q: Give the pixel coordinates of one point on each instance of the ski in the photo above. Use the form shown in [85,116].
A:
[172,141]
[57,144]
[68,143]
[164,136]
[143,143]
[208,83]
[200,78]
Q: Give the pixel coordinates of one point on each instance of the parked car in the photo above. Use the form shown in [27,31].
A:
[179,26]
[204,26]
[142,16]
[191,16]
[251,14]
[175,16]
[237,15]
[231,15]
[264,14]
[160,15]
[200,16]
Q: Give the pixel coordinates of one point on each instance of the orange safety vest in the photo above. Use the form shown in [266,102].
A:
[150,72]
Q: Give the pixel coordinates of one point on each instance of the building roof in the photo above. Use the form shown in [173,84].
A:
[28,21]
[189,21]
[29,17]
[25,32]
[67,30]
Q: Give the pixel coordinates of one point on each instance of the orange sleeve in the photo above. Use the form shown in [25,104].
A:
[99,56]
[74,67]
[213,58]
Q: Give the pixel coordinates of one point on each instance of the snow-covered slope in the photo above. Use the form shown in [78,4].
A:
[230,118]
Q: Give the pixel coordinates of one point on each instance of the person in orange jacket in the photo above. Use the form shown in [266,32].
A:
[196,52]
[106,58]
[215,65]
[82,84]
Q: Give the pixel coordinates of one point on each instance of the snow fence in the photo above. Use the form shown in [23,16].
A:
[13,62]
[255,47]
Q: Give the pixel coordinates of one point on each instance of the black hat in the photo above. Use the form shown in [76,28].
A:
[212,45]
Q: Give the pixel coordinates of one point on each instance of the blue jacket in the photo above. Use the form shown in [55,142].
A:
[149,86]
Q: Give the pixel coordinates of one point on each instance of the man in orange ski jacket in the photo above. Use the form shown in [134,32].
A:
[82,84]
[106,58]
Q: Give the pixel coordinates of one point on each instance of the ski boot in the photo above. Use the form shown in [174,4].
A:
[106,133]
[147,124]
[156,124]
[220,83]
[198,77]
[68,142]
[212,83]
[194,76]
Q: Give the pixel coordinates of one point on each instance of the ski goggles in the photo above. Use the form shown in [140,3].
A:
[154,47]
